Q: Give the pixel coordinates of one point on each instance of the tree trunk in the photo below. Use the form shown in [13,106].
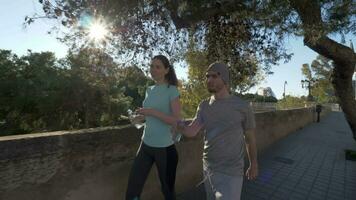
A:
[344,66]
[344,92]
[344,58]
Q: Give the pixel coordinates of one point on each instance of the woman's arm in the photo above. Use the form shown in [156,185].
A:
[190,130]
[168,119]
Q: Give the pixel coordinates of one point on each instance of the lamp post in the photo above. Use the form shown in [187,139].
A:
[284,89]
[308,84]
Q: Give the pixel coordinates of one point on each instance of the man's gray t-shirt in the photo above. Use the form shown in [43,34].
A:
[225,122]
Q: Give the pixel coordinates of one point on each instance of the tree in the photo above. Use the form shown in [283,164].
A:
[291,102]
[39,93]
[8,81]
[320,71]
[93,88]
[194,90]
[259,98]
[318,19]
[28,85]
[258,26]
[133,82]
[142,28]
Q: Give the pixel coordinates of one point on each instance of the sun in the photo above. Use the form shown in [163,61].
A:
[97,31]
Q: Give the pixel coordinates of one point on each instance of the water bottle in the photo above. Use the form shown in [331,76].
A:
[132,117]
[176,136]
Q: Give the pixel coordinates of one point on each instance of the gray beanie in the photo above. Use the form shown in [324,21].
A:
[222,70]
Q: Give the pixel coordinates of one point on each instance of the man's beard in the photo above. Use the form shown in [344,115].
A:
[215,88]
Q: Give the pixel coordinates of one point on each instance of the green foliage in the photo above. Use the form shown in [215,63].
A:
[306,71]
[94,97]
[26,82]
[290,102]
[137,28]
[86,89]
[323,89]
[320,71]
[133,82]
[236,34]
[194,90]
[257,98]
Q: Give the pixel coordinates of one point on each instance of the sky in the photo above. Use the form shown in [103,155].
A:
[14,37]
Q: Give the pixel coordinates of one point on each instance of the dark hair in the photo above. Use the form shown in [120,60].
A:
[171,77]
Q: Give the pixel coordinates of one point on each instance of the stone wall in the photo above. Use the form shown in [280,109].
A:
[94,164]
[272,126]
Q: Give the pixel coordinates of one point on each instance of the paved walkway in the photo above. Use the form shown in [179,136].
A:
[308,164]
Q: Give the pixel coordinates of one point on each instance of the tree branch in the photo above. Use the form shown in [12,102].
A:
[315,35]
[205,13]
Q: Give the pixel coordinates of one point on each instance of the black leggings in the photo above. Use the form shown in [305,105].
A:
[166,159]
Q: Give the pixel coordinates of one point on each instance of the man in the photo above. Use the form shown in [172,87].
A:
[229,128]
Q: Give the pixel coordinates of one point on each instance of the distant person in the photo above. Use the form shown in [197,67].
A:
[318,110]
[161,110]
[229,128]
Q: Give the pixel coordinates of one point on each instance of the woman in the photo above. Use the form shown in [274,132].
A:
[161,109]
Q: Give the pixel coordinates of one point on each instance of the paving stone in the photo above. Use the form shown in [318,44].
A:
[319,170]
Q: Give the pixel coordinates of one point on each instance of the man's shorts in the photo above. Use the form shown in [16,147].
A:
[219,186]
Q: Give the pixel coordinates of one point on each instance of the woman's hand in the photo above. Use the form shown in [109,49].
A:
[138,119]
[145,111]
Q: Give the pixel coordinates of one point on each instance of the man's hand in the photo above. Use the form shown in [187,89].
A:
[252,171]
[180,126]
[250,140]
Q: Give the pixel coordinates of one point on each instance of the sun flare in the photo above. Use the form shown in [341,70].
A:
[97,31]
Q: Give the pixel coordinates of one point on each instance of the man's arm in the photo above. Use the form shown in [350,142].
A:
[250,140]
[190,130]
